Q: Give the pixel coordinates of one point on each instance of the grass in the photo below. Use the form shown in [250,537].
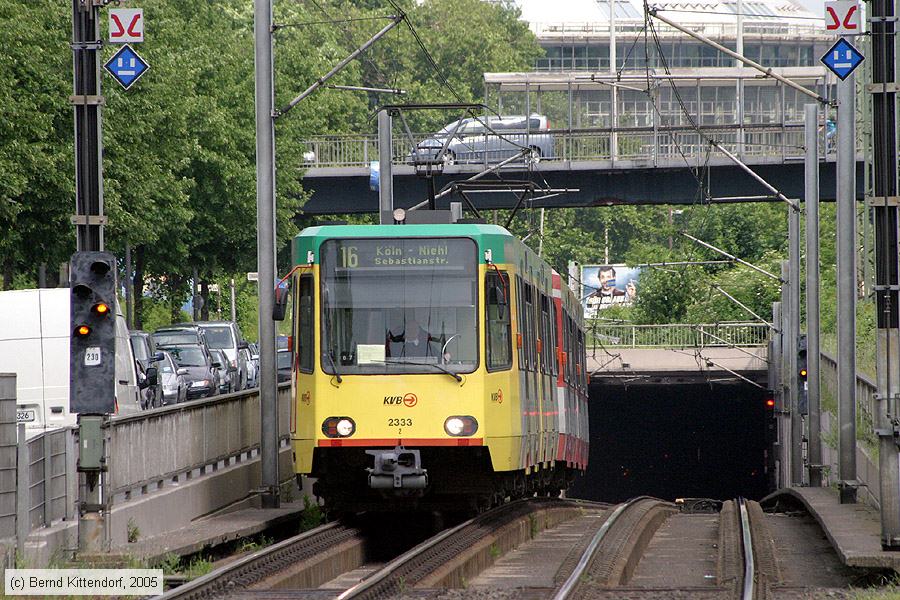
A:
[312,515]
[888,592]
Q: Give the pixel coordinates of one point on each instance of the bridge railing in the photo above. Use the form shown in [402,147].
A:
[676,335]
[651,144]
[149,449]
[866,390]
[144,452]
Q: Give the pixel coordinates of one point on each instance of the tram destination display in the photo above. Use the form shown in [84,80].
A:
[375,254]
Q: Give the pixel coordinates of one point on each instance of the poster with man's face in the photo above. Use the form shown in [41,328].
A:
[603,286]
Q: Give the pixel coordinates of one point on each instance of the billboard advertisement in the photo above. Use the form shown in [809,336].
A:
[603,286]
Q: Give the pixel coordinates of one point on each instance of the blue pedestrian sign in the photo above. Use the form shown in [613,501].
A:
[126,66]
[843,58]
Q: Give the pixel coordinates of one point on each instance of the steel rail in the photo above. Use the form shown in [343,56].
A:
[565,591]
[747,548]
[372,582]
[218,582]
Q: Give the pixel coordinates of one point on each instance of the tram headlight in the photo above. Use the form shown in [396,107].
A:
[338,427]
[460,426]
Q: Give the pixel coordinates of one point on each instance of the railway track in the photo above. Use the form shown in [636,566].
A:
[295,567]
[644,548]
[307,548]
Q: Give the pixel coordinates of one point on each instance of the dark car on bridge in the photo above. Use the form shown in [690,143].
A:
[202,371]
[486,139]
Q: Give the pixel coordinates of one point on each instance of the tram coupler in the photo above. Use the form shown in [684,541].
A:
[397,469]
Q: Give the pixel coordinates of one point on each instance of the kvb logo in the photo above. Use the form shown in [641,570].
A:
[408,400]
[842,16]
[497,396]
[126,25]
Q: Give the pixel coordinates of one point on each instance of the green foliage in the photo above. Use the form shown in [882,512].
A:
[312,515]
[134,532]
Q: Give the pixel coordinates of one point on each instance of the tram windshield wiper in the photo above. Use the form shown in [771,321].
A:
[440,368]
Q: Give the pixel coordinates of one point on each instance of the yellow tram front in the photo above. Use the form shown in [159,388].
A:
[400,397]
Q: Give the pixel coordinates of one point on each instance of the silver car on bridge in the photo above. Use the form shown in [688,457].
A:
[486,139]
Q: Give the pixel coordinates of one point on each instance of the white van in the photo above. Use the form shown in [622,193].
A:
[34,344]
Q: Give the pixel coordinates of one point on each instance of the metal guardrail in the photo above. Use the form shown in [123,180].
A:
[653,145]
[676,335]
[626,28]
[38,478]
[866,390]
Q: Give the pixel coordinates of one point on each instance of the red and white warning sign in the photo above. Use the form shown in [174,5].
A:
[842,17]
[126,25]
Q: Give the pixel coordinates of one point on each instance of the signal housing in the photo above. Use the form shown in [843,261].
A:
[92,346]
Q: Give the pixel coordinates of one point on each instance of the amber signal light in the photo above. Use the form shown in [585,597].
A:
[82,331]
[101,308]
[770,403]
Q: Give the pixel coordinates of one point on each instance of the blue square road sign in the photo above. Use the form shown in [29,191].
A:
[842,58]
[126,66]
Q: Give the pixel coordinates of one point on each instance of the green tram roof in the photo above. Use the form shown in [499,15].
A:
[492,237]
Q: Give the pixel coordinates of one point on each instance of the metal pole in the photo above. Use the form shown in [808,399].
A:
[129,283]
[265,231]
[811,198]
[541,240]
[789,360]
[794,205]
[395,20]
[794,340]
[887,247]
[385,173]
[739,84]
[613,92]
[233,307]
[765,70]
[89,219]
[86,100]
[777,363]
[846,292]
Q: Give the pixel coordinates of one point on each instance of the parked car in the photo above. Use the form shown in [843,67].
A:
[181,333]
[471,141]
[201,369]
[228,375]
[226,336]
[252,370]
[146,357]
[173,380]
[283,361]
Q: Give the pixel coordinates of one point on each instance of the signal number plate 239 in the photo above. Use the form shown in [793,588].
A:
[400,422]
[92,356]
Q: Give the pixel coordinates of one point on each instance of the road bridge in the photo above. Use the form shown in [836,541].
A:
[627,138]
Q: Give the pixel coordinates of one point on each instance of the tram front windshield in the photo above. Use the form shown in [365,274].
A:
[399,306]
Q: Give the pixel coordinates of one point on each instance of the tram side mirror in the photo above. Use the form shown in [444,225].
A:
[281,300]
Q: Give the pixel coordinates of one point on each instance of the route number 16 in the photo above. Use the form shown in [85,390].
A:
[349,257]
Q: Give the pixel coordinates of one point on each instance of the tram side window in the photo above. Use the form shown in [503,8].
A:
[499,343]
[520,308]
[305,326]
[554,355]
[565,346]
[530,328]
[582,358]
[546,335]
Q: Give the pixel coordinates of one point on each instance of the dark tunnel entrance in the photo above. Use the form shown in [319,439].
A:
[678,440]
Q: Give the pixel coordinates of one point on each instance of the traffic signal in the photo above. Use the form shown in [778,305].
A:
[802,386]
[92,347]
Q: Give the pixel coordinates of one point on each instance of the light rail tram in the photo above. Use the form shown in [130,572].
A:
[435,367]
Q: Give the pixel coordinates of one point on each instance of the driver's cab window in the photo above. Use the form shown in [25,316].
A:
[499,339]
[304,324]
[442,334]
